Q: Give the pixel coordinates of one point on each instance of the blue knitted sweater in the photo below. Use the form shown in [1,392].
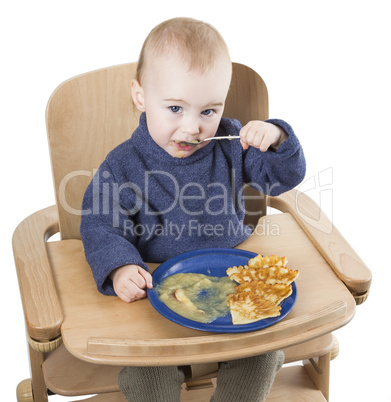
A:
[145,205]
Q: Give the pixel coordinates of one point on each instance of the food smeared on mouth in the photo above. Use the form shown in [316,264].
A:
[187,143]
[180,154]
[181,148]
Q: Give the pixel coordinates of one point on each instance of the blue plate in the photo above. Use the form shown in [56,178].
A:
[213,262]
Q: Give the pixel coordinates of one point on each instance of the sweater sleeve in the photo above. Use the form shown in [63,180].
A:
[276,171]
[106,247]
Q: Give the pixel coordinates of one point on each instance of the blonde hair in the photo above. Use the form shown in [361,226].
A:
[196,42]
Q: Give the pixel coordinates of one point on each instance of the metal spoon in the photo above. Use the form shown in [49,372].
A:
[196,142]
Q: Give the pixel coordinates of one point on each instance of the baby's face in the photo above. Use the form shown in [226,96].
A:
[183,105]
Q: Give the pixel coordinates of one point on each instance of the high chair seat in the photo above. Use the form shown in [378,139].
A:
[79,339]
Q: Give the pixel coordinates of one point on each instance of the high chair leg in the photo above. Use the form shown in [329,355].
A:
[34,389]
[319,370]
[37,381]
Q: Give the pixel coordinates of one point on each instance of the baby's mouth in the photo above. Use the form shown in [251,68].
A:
[183,145]
[187,143]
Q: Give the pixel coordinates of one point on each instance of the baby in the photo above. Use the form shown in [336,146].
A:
[159,197]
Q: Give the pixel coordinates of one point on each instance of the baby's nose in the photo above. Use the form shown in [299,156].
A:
[191,127]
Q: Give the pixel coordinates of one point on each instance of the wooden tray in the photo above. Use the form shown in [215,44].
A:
[104,329]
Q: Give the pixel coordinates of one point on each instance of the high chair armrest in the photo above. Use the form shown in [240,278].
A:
[41,306]
[328,240]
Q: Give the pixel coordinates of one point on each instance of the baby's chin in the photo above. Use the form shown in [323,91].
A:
[180,154]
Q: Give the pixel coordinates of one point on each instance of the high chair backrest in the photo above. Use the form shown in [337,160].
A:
[88,115]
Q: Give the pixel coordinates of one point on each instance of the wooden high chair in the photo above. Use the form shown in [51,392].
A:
[80,339]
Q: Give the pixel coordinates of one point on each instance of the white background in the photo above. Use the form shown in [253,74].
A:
[327,68]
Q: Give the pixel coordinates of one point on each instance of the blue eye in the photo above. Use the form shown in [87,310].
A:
[175,109]
[207,112]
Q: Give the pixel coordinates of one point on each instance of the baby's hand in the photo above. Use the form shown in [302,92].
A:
[262,135]
[130,281]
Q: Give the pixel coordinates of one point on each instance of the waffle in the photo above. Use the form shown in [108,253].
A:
[274,293]
[267,261]
[248,307]
[270,275]
[262,286]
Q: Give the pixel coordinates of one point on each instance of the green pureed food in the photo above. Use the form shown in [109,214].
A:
[198,297]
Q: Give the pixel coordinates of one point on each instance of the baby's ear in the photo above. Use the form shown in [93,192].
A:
[138,95]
